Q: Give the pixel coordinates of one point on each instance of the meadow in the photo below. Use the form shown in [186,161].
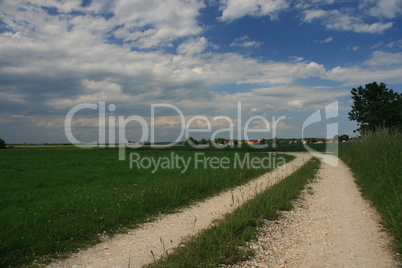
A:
[376,161]
[56,200]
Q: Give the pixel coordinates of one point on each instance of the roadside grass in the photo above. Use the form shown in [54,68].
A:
[54,201]
[225,242]
[376,161]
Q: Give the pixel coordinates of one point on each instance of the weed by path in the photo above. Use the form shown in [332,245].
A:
[224,243]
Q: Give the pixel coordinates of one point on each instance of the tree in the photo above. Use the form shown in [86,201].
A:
[2,144]
[376,106]
[336,138]
[343,137]
[203,141]
[191,141]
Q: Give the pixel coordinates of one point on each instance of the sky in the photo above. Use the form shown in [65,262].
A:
[147,62]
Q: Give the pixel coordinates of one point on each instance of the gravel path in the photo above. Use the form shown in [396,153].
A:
[330,226]
[134,249]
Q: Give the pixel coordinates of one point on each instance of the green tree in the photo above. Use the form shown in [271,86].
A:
[2,144]
[336,138]
[191,141]
[376,106]
[343,137]
[221,140]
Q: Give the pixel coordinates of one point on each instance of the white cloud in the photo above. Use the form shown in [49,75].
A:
[377,70]
[346,20]
[354,48]
[156,23]
[63,6]
[310,15]
[68,73]
[296,58]
[21,116]
[380,58]
[142,24]
[396,44]
[193,46]
[347,23]
[384,8]
[327,40]
[234,9]
[338,20]
[356,75]
[306,4]
[49,63]
[245,41]
[378,45]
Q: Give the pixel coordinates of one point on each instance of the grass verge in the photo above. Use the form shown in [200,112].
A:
[376,161]
[225,242]
[53,201]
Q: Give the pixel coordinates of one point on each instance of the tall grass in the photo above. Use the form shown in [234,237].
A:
[225,242]
[55,200]
[376,161]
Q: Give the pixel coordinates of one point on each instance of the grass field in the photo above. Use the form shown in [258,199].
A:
[376,161]
[279,147]
[225,242]
[55,200]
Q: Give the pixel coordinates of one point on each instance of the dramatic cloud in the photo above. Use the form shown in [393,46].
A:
[196,55]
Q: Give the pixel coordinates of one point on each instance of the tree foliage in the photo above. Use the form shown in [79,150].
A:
[2,144]
[376,106]
[343,137]
[191,141]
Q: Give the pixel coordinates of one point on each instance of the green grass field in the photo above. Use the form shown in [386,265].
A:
[376,161]
[55,200]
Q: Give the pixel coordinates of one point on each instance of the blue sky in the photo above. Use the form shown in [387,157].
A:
[277,57]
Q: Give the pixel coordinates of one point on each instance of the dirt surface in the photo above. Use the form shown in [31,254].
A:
[330,226]
[151,240]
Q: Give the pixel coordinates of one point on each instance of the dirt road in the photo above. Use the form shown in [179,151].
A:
[134,249]
[331,226]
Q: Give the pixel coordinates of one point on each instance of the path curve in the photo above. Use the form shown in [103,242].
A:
[330,226]
[168,232]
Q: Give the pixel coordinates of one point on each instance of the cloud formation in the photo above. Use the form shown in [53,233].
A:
[57,54]
[327,40]
[341,21]
[246,42]
[235,9]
